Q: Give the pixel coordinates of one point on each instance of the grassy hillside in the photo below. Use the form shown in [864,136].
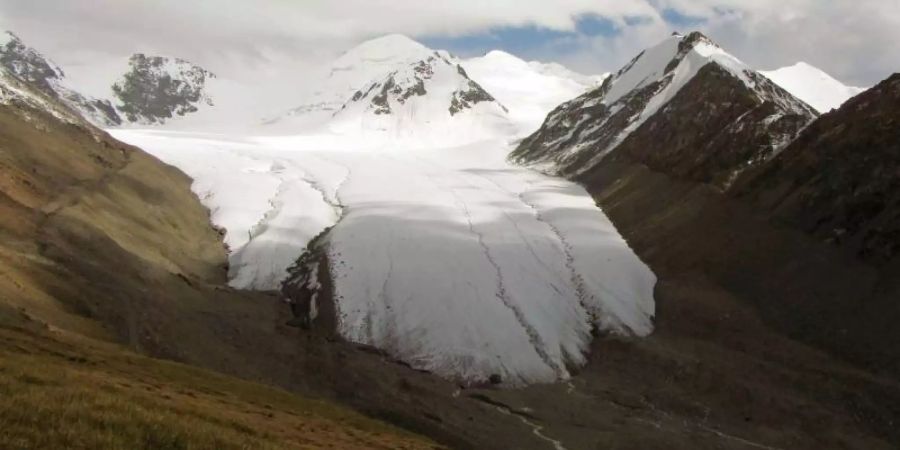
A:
[101,245]
[58,392]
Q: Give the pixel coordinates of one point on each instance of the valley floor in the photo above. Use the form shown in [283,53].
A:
[449,259]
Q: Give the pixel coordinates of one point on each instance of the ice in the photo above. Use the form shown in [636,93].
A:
[450,259]
[440,251]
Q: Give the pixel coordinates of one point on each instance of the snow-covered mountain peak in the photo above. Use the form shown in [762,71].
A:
[529,90]
[639,106]
[677,58]
[158,88]
[389,49]
[431,101]
[385,96]
[27,63]
[29,66]
[501,57]
[813,85]
[350,72]
[395,89]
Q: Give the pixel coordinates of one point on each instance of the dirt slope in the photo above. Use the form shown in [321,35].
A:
[101,242]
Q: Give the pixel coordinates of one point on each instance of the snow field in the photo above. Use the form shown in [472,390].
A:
[451,260]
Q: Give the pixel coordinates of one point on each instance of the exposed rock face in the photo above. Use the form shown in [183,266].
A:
[158,88]
[469,96]
[839,181]
[809,236]
[685,107]
[29,66]
[413,80]
[92,227]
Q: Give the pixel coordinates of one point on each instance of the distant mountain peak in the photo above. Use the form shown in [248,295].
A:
[418,101]
[389,44]
[813,85]
[31,67]
[158,88]
[397,88]
[650,109]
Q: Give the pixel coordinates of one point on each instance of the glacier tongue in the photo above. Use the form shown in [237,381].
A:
[451,260]
[440,251]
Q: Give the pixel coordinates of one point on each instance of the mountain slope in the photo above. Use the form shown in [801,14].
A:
[429,103]
[685,105]
[840,179]
[396,91]
[67,393]
[354,69]
[813,86]
[808,237]
[152,90]
[157,89]
[29,66]
[100,243]
[839,183]
[529,90]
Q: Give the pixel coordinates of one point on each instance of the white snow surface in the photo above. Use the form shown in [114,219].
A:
[420,118]
[365,63]
[650,68]
[452,260]
[529,90]
[666,68]
[813,86]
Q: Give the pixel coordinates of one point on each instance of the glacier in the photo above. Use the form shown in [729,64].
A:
[452,260]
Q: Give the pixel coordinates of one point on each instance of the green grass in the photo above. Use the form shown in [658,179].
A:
[89,395]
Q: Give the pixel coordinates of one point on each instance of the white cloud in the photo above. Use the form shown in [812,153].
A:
[855,41]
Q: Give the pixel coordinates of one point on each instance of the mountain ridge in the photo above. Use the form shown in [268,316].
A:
[151,91]
[812,85]
[660,95]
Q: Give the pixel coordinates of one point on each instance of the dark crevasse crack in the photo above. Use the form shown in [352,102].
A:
[577,280]
[275,206]
[540,347]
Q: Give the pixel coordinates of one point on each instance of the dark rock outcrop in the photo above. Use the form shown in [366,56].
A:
[31,67]
[401,85]
[839,181]
[157,89]
[694,112]
[809,236]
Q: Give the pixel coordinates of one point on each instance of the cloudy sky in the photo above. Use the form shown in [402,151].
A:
[854,40]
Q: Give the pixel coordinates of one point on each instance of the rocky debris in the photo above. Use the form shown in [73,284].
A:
[308,289]
[839,181]
[157,89]
[685,107]
[31,67]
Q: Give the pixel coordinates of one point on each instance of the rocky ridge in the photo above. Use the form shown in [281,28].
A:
[157,89]
[153,91]
[29,66]
[685,106]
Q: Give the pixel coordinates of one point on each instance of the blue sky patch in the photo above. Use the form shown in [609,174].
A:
[522,40]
